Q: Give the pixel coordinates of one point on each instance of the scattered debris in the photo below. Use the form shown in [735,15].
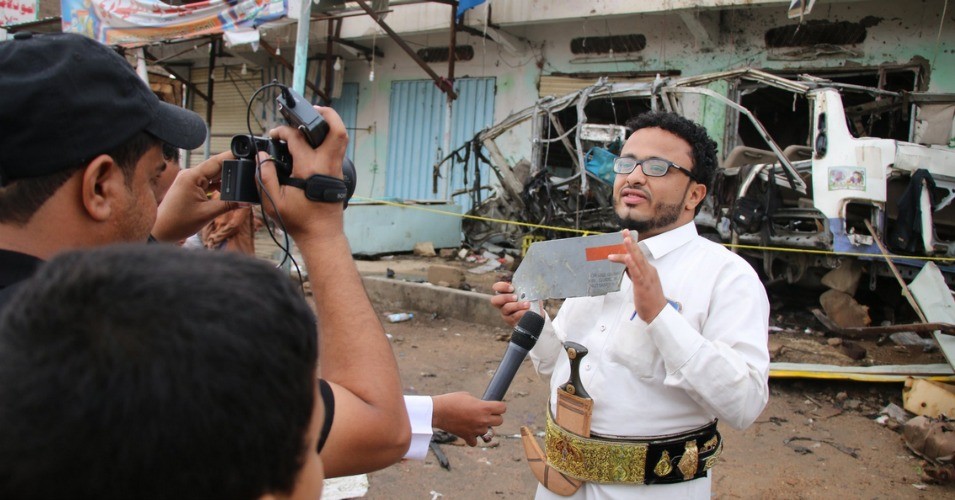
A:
[340,488]
[841,308]
[933,440]
[875,331]
[447,253]
[894,412]
[912,339]
[852,452]
[852,404]
[488,266]
[853,350]
[929,398]
[777,421]
[449,276]
[399,317]
[844,278]
[775,348]
[439,454]
[444,437]
[424,249]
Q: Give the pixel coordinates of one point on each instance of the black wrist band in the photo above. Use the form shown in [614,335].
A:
[318,187]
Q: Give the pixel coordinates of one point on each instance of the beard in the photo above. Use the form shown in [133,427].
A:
[665,215]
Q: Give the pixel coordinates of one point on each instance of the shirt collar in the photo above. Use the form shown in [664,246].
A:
[664,243]
[16,267]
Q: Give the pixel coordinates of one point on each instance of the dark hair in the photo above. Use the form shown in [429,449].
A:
[702,146]
[152,372]
[23,197]
[170,152]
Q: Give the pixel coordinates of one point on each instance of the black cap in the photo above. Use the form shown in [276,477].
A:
[65,98]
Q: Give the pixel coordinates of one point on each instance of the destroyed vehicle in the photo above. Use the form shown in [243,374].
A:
[843,165]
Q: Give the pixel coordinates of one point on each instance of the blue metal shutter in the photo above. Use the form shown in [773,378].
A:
[416,126]
[347,108]
[472,112]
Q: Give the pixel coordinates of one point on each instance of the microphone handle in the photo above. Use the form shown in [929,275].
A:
[513,357]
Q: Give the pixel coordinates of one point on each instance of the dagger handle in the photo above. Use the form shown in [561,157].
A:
[575,352]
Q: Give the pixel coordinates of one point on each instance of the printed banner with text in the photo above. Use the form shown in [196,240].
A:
[133,22]
[17,11]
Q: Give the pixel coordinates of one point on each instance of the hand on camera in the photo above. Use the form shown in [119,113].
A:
[186,207]
[302,217]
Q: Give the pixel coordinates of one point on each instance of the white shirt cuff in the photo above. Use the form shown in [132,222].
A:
[420,409]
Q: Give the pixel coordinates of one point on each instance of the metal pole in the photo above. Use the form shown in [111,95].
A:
[213,47]
[301,47]
[448,115]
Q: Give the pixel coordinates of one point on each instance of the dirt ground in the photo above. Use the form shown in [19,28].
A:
[824,424]
[815,439]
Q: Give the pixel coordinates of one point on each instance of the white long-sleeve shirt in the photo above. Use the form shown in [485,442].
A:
[704,356]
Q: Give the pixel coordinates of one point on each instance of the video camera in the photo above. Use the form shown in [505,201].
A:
[238,176]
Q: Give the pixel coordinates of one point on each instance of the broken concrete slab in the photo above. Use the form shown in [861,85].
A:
[424,249]
[841,308]
[929,438]
[844,278]
[424,297]
[929,398]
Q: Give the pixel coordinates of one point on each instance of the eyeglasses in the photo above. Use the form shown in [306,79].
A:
[651,167]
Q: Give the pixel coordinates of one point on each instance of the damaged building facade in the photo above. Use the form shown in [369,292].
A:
[511,53]
[519,113]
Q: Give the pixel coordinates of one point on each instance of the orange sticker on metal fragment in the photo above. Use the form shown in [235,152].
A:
[601,253]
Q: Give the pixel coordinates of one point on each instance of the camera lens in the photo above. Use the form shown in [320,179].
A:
[242,146]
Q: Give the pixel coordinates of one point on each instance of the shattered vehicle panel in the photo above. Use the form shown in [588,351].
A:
[826,180]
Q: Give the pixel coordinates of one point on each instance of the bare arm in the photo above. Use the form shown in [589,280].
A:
[371,428]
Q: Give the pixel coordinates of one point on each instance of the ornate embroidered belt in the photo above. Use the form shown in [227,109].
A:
[660,460]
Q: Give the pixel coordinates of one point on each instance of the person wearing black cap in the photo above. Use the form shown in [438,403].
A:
[81,155]
[81,141]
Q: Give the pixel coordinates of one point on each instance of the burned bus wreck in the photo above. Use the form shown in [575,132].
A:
[810,175]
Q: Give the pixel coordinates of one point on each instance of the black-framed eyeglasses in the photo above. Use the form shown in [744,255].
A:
[651,167]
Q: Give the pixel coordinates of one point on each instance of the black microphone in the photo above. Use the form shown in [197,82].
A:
[523,338]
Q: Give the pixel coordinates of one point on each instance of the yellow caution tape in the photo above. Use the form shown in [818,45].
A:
[584,232]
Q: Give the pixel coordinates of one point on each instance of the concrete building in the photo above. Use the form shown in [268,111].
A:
[509,53]
[533,48]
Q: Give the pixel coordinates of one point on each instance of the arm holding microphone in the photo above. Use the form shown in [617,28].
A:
[523,338]
[458,413]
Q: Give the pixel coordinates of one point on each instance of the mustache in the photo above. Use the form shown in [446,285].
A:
[642,189]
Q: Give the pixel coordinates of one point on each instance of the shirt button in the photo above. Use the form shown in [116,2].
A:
[603,328]
[587,367]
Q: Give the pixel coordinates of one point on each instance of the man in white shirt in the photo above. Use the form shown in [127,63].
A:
[681,344]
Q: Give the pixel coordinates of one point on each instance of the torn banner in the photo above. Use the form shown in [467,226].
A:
[134,22]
